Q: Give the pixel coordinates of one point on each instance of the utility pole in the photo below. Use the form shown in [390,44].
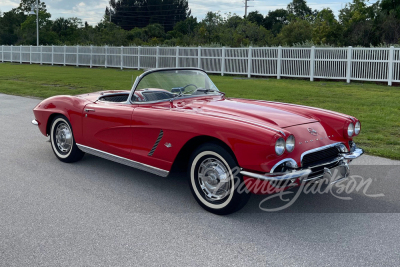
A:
[245,7]
[33,7]
[37,23]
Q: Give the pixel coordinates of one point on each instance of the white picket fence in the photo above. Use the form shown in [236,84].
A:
[363,64]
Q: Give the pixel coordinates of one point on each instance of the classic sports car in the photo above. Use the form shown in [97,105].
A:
[178,117]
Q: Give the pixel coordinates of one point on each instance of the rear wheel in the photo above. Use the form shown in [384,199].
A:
[62,140]
[213,175]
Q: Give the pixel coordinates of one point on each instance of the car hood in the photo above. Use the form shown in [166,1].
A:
[260,112]
[252,111]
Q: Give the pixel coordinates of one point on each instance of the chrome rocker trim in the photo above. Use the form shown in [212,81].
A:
[124,161]
[35,122]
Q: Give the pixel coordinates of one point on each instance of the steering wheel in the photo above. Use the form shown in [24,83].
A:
[184,88]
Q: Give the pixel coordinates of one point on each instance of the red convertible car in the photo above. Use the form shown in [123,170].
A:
[178,117]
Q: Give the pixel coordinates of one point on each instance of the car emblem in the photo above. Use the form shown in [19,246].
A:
[312,131]
[168,145]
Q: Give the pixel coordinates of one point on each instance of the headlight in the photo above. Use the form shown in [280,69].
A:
[280,146]
[350,130]
[290,143]
[357,128]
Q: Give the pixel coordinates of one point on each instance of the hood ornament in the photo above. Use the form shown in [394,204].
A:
[312,131]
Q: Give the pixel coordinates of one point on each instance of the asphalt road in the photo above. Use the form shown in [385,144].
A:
[96,212]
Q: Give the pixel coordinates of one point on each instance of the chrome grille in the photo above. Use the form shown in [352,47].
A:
[314,158]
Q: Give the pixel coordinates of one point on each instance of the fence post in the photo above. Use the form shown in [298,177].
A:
[65,54]
[91,56]
[157,55]
[122,57]
[30,54]
[391,63]
[249,63]
[77,55]
[2,53]
[138,58]
[348,71]
[41,55]
[20,54]
[278,63]
[223,61]
[52,55]
[177,57]
[105,59]
[199,57]
[11,53]
[312,63]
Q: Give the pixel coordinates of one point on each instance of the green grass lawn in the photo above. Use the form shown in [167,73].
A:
[377,106]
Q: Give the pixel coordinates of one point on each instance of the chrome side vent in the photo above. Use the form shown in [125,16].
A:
[156,143]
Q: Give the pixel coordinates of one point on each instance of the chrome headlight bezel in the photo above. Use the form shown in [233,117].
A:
[357,128]
[342,148]
[350,130]
[290,143]
[280,146]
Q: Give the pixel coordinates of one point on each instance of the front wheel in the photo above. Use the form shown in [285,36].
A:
[215,180]
[62,141]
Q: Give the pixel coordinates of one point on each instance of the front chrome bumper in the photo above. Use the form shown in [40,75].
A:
[353,155]
[303,174]
[277,176]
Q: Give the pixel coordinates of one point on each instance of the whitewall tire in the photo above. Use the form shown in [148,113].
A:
[214,177]
[62,140]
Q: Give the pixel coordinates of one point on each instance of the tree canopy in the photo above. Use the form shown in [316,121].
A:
[129,14]
[170,23]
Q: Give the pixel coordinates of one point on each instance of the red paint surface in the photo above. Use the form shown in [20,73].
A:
[130,130]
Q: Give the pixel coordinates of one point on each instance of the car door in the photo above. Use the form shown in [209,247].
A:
[107,127]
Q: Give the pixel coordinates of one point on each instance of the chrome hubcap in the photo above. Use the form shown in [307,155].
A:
[214,179]
[63,136]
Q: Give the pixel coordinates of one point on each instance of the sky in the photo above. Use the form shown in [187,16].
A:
[92,11]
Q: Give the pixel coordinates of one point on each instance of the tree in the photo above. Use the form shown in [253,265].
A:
[357,20]
[327,29]
[10,24]
[255,17]
[129,14]
[67,29]
[28,29]
[391,6]
[187,26]
[252,34]
[387,22]
[297,31]
[275,20]
[110,34]
[26,6]
[300,9]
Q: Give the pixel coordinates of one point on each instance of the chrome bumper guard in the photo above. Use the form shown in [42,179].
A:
[303,174]
[35,122]
[353,155]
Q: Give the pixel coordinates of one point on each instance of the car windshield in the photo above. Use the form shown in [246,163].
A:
[167,84]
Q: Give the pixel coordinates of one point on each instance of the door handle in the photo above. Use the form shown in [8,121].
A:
[89,110]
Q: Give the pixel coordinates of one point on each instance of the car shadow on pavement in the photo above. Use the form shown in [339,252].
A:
[139,191]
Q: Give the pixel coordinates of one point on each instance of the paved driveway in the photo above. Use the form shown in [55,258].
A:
[97,212]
